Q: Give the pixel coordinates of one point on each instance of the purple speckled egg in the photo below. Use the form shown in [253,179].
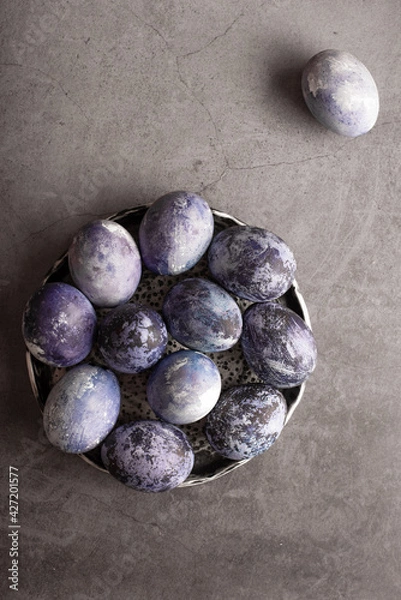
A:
[175,232]
[131,338]
[82,408]
[246,421]
[147,455]
[184,387]
[252,263]
[202,315]
[278,345]
[59,325]
[105,263]
[340,92]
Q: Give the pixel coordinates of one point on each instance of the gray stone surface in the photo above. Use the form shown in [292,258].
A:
[106,105]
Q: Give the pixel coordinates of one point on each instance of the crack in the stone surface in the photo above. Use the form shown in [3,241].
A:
[38,232]
[182,80]
[203,106]
[52,79]
[266,165]
[216,37]
[149,25]
[214,182]
[287,162]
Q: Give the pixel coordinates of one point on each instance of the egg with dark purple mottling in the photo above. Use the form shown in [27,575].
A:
[82,408]
[202,315]
[278,345]
[340,92]
[175,232]
[147,455]
[246,421]
[59,325]
[184,387]
[105,263]
[251,263]
[131,338]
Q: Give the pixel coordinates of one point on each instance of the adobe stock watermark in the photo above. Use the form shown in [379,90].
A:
[13,528]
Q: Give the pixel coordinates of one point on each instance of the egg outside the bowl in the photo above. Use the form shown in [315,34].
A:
[340,92]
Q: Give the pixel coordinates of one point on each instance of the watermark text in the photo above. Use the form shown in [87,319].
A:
[13,528]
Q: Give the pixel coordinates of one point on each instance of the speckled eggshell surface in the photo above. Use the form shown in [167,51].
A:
[246,421]
[131,338]
[252,263]
[147,455]
[340,92]
[278,345]
[105,263]
[202,315]
[59,325]
[82,408]
[184,387]
[175,232]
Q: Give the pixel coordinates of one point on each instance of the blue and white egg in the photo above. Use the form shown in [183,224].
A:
[340,92]
[201,315]
[105,263]
[148,455]
[251,263]
[175,232]
[131,338]
[184,387]
[59,325]
[82,408]
[278,345]
[246,421]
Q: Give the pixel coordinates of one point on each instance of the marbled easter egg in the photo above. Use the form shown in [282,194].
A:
[82,408]
[175,232]
[202,315]
[246,421]
[131,338]
[278,345]
[252,263]
[105,263]
[183,387]
[59,325]
[340,92]
[147,455]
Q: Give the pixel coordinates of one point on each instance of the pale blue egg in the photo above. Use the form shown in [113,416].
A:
[82,408]
[184,387]
[340,92]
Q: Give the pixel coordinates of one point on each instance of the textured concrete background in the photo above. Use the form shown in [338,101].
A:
[106,105]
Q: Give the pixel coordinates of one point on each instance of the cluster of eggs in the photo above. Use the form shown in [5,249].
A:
[61,326]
